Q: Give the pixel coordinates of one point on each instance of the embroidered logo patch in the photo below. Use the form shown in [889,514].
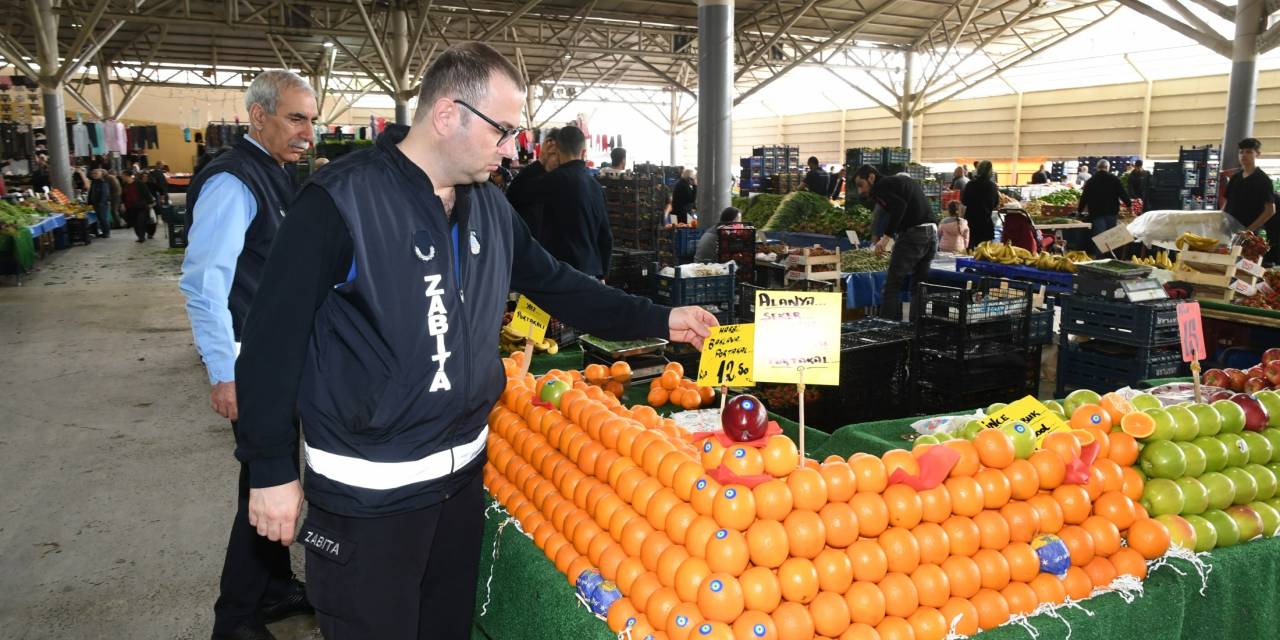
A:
[326,544]
[475,244]
[422,246]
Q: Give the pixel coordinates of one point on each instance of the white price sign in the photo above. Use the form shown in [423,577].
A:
[1250,267]
[1243,288]
[1113,238]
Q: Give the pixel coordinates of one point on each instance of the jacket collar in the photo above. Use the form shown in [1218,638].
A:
[388,142]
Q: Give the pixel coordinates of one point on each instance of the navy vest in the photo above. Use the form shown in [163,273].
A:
[401,362]
[273,188]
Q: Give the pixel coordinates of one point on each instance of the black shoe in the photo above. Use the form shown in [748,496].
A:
[246,632]
[292,604]
[140,240]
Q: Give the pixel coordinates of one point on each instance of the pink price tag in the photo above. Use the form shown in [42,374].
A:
[1190,331]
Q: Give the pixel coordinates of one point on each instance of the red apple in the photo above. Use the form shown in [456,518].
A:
[745,419]
[1238,379]
[1271,355]
[1254,372]
[1224,394]
[1255,415]
[1217,378]
[1255,384]
[1272,371]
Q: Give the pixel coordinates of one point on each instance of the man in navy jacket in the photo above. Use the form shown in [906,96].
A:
[575,226]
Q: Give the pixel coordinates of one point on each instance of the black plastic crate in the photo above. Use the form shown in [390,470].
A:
[941,384]
[1041,327]
[171,214]
[177,236]
[1100,364]
[895,156]
[986,301]
[78,231]
[1142,324]
[770,275]
[866,155]
[679,291]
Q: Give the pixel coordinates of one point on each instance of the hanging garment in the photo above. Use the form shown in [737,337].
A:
[80,140]
[186,134]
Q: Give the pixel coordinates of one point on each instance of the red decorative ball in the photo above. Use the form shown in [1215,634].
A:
[744,419]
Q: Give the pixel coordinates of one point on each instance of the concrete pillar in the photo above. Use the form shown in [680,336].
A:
[54,110]
[1017,141]
[673,123]
[715,108]
[907,80]
[1242,93]
[400,55]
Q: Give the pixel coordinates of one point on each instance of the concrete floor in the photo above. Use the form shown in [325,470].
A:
[117,481]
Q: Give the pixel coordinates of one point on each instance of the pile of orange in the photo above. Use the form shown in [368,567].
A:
[673,388]
[613,378]
[821,550]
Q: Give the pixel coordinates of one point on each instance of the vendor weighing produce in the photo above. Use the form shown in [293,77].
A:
[1251,197]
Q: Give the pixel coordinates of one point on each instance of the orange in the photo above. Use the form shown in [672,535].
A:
[1102,438]
[727,552]
[806,534]
[901,549]
[1023,519]
[621,371]
[1090,415]
[712,453]
[669,563]
[611,560]
[682,620]
[669,380]
[690,399]
[808,489]
[1049,589]
[1122,448]
[1050,469]
[835,570]
[629,570]
[966,496]
[935,546]
[761,590]
[634,534]
[686,475]
[866,603]
[838,475]
[1101,572]
[993,530]
[1080,543]
[1064,444]
[679,519]
[969,462]
[933,586]
[1149,537]
[744,460]
[676,367]
[928,624]
[754,625]
[841,524]
[793,621]
[830,614]
[995,448]
[652,549]
[767,543]
[1138,425]
[622,614]
[644,414]
[699,535]
[869,561]
[904,506]
[660,505]
[870,473]
[994,568]
[872,513]
[706,394]
[660,605]
[963,614]
[963,576]
[799,580]
[645,491]
[1024,482]
[734,508]
[935,504]
[895,628]
[1116,406]
[900,595]
[689,577]
[895,459]
[1024,564]
[1048,512]
[1116,507]
[676,396]
[993,609]
[1075,503]
[644,586]
[720,598]
[1077,583]
[1130,562]
[704,494]
[1105,534]
[1020,597]
[781,456]
[708,630]
[965,536]
[996,489]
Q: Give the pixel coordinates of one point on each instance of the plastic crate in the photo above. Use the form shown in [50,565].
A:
[941,385]
[866,155]
[890,156]
[1040,331]
[171,214]
[1016,272]
[78,231]
[1143,324]
[987,301]
[1100,364]
[177,236]
[679,291]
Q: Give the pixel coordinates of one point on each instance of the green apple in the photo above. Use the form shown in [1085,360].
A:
[1207,418]
[1161,496]
[923,440]
[1265,479]
[1232,415]
[1215,452]
[1185,426]
[943,436]
[1222,491]
[1225,525]
[1274,503]
[1145,401]
[1077,398]
[1273,436]
[1195,497]
[553,389]
[1271,402]
[1248,521]
[1024,439]
[1163,459]
[1055,407]
[1164,425]
[1237,449]
[995,407]
[1181,533]
[1246,486]
[1260,449]
[1270,517]
[971,429]
[1196,460]
[1206,535]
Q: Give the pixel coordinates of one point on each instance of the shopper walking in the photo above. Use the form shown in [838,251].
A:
[908,219]
[525,191]
[684,196]
[575,224]
[1251,197]
[116,216]
[959,179]
[980,198]
[235,206]
[1101,197]
[137,199]
[158,177]
[100,199]
[953,231]
[377,322]
[1041,176]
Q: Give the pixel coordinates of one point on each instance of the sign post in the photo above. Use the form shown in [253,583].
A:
[531,322]
[1192,335]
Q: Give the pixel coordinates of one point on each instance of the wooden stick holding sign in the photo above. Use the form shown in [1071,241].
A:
[1192,335]
[531,322]
[800,390]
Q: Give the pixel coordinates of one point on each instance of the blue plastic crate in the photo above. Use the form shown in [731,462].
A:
[685,242]
[677,291]
[1108,365]
[1041,328]
[1015,271]
[1144,324]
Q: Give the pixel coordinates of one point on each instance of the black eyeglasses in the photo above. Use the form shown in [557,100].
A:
[507,132]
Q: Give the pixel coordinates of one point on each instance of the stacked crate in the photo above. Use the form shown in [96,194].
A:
[1200,174]
[1165,192]
[635,202]
[739,245]
[771,169]
[629,270]
[677,245]
[1108,344]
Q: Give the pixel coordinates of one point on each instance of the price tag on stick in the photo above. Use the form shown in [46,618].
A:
[796,329]
[727,357]
[1113,238]
[1192,338]
[529,320]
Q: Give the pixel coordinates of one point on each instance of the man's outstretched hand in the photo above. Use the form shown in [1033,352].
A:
[691,324]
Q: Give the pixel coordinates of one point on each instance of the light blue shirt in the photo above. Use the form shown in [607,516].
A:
[224,211]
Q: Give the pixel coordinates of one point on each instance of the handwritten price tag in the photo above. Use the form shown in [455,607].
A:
[1190,331]
[1243,288]
[727,357]
[1250,267]
[1029,412]
[529,320]
[794,330]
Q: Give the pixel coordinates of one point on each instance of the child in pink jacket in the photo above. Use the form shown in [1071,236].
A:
[953,232]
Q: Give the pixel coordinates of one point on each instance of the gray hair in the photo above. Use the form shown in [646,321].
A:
[265,89]
[1103,165]
[688,173]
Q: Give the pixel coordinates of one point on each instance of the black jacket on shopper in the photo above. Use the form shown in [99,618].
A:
[525,198]
[1102,196]
[575,226]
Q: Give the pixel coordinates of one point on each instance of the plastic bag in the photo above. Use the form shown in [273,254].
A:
[944,424]
[1164,227]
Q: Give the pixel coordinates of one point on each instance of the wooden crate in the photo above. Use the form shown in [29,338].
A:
[801,267]
[1213,273]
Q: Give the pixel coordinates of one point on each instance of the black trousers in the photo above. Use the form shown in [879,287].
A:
[407,576]
[255,569]
[1273,238]
[912,254]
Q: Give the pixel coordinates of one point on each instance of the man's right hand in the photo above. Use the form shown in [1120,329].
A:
[273,511]
[223,400]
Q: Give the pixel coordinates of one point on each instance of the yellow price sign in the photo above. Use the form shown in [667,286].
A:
[530,321]
[727,356]
[1030,412]
[797,337]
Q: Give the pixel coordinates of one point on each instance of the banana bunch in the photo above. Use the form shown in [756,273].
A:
[999,252]
[1159,261]
[1008,254]
[509,341]
[1078,256]
[1195,242]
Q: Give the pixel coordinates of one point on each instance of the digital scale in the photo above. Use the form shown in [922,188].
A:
[1117,280]
[646,357]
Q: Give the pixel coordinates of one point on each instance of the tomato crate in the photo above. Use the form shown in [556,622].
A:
[1141,324]
[1102,364]
[679,291]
